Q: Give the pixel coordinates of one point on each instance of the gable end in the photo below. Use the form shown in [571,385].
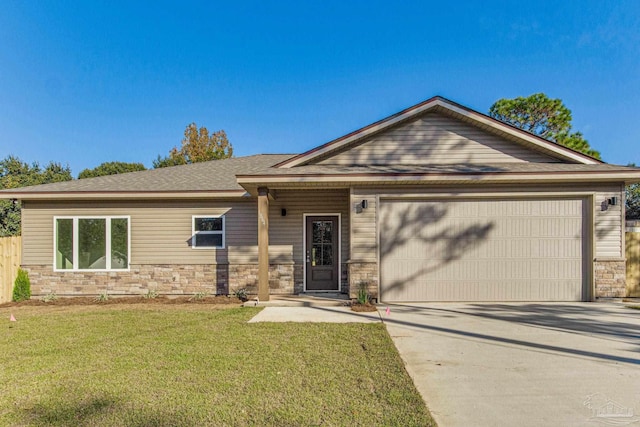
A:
[433,139]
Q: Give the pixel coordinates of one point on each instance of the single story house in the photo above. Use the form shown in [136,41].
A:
[435,203]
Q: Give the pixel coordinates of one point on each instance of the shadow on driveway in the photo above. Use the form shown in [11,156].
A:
[586,319]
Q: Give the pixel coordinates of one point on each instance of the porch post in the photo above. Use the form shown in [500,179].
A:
[263,243]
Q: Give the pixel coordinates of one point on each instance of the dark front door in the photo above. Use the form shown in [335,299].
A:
[322,253]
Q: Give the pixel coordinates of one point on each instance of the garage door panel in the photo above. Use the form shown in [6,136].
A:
[482,250]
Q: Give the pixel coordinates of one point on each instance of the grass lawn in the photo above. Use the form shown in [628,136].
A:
[181,365]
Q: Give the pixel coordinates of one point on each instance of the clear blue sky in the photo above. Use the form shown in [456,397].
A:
[84,82]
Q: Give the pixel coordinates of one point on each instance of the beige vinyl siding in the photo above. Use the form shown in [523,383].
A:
[160,231]
[363,227]
[278,254]
[609,223]
[435,139]
[288,230]
[482,250]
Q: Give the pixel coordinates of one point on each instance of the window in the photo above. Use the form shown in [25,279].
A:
[208,232]
[91,243]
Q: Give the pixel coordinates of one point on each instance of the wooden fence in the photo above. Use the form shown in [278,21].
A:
[632,241]
[10,257]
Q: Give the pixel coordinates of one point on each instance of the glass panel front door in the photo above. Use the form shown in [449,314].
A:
[322,253]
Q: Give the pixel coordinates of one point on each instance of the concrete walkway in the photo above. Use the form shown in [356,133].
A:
[522,364]
[325,314]
[321,308]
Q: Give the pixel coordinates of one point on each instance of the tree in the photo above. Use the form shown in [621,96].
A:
[632,199]
[197,146]
[111,168]
[544,117]
[14,174]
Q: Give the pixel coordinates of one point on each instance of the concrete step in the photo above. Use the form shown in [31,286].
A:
[302,300]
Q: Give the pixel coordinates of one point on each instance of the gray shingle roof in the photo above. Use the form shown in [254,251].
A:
[221,175]
[215,175]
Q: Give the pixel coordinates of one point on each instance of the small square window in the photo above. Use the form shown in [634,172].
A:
[208,232]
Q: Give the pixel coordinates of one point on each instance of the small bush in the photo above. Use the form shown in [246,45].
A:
[363,293]
[50,297]
[103,297]
[198,296]
[241,294]
[151,294]
[22,286]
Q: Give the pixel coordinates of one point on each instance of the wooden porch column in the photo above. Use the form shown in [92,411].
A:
[263,243]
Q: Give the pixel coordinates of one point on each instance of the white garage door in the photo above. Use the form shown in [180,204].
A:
[481,250]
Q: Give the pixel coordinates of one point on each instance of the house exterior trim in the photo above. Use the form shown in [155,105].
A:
[443,105]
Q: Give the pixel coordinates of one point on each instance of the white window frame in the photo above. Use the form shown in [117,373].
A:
[194,232]
[76,254]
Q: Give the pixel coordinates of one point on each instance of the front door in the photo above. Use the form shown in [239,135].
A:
[321,253]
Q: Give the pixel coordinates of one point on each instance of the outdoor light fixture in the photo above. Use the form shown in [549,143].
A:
[612,201]
[283,212]
[364,204]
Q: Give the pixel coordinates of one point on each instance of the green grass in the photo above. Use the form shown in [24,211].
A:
[194,366]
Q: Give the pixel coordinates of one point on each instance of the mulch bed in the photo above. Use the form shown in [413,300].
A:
[67,301]
[361,308]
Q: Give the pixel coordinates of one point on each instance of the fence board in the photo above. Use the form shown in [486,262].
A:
[10,258]
[633,263]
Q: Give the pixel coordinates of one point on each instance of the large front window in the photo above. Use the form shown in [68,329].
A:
[91,243]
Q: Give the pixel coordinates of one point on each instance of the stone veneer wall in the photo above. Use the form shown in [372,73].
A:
[363,272]
[163,279]
[246,276]
[610,279]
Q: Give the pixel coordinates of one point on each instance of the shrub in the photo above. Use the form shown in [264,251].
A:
[363,293]
[50,297]
[22,286]
[241,294]
[151,294]
[103,297]
[198,296]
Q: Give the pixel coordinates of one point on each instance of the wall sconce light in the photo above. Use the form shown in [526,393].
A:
[364,204]
[612,201]
[283,212]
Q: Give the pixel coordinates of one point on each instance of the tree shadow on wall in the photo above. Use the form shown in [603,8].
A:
[415,223]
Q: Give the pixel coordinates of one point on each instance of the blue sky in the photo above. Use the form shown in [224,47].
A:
[84,82]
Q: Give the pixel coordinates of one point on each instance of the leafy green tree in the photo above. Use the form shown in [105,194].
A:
[111,168]
[14,174]
[632,199]
[544,117]
[197,146]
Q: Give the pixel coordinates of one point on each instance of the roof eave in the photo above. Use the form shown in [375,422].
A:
[248,181]
[120,195]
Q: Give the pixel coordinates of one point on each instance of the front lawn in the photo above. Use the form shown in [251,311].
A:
[182,365]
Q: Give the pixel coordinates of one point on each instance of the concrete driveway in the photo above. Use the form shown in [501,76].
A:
[573,364]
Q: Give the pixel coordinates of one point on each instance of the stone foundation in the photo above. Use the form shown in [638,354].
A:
[363,273]
[224,279]
[610,279]
[245,276]
[221,279]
